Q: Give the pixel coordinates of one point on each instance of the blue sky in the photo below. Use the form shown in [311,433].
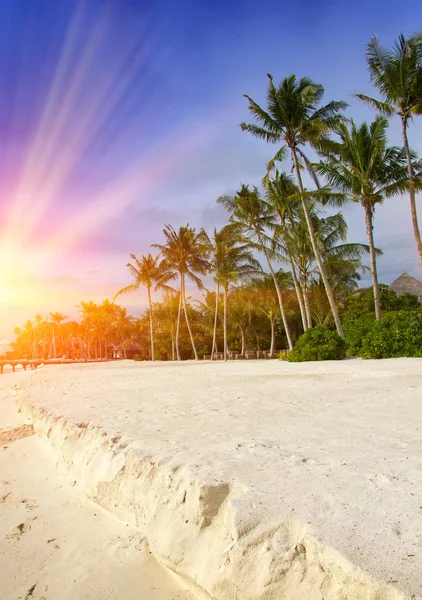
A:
[124,115]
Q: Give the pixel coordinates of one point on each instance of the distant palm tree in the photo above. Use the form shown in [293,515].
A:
[366,170]
[150,272]
[217,250]
[295,118]
[184,254]
[254,218]
[231,260]
[56,320]
[397,73]
[265,302]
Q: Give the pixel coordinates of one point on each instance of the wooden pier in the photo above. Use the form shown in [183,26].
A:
[33,364]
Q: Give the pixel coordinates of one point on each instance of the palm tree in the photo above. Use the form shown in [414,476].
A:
[295,118]
[230,261]
[282,194]
[366,170]
[56,320]
[397,73]
[253,217]
[331,234]
[185,255]
[150,272]
[241,307]
[167,312]
[265,301]
[216,246]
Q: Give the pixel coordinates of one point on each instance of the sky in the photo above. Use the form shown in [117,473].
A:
[119,116]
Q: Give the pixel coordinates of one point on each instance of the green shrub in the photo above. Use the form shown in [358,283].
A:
[396,334]
[355,332]
[318,343]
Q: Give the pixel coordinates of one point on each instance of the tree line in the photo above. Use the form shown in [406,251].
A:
[281,258]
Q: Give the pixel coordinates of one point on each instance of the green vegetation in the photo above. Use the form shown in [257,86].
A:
[395,334]
[318,343]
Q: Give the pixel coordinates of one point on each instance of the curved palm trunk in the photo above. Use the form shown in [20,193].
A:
[225,349]
[179,313]
[369,233]
[413,211]
[318,258]
[299,295]
[151,326]
[187,319]
[280,302]
[272,323]
[214,336]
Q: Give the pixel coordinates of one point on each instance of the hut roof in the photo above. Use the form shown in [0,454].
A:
[406,284]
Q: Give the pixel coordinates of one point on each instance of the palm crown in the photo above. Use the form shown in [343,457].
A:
[363,166]
[397,73]
[294,116]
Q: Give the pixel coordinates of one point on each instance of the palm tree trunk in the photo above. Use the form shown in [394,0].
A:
[187,320]
[272,323]
[151,326]
[214,336]
[54,343]
[173,354]
[305,292]
[225,352]
[179,313]
[299,295]
[413,211]
[280,303]
[369,233]
[307,306]
[318,258]
[243,335]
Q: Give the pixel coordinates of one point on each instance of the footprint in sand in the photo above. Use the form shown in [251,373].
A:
[17,532]
[30,504]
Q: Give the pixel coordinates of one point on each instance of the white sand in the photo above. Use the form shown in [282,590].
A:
[57,545]
[254,479]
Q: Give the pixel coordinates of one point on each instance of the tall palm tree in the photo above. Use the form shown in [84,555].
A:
[281,194]
[231,260]
[254,217]
[366,170]
[184,254]
[295,118]
[150,272]
[397,73]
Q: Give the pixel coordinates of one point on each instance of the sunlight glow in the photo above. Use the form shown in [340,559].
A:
[82,98]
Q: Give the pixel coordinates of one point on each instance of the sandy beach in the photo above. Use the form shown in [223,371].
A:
[254,480]
[57,544]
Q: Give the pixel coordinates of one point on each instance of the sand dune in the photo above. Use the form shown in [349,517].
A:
[255,480]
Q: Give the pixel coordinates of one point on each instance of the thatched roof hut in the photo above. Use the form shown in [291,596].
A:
[406,284]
